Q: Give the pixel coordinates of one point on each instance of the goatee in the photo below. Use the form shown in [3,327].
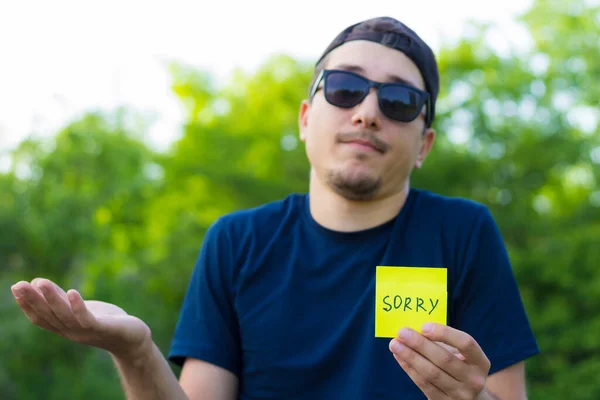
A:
[353,188]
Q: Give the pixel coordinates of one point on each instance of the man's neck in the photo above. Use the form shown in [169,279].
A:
[337,213]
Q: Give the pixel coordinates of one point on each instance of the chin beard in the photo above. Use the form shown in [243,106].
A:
[353,188]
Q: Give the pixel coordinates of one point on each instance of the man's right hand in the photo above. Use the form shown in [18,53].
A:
[93,323]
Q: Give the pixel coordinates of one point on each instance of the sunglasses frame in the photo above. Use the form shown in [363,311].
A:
[423,96]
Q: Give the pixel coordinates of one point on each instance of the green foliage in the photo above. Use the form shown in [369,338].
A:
[96,209]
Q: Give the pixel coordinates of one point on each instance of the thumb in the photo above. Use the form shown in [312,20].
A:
[452,350]
[85,318]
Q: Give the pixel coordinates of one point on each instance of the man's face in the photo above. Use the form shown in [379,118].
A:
[337,139]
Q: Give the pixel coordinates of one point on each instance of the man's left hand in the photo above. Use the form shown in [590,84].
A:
[437,371]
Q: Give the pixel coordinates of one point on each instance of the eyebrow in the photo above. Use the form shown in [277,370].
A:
[360,70]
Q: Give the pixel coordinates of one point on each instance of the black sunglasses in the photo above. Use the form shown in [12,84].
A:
[347,89]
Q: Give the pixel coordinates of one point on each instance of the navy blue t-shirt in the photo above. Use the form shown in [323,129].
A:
[288,306]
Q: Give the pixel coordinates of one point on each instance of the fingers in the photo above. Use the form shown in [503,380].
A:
[45,304]
[451,350]
[31,315]
[462,341]
[58,303]
[438,356]
[35,307]
[442,358]
[429,373]
[430,390]
[37,282]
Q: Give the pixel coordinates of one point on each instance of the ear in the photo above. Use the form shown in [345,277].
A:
[303,119]
[426,143]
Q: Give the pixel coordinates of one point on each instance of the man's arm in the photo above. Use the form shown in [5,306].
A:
[150,377]
[508,383]
[202,380]
[145,373]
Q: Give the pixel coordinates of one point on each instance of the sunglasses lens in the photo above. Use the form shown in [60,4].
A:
[345,90]
[400,103]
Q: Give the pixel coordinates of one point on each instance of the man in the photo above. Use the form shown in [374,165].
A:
[281,300]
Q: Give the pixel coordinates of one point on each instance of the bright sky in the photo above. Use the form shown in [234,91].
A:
[59,58]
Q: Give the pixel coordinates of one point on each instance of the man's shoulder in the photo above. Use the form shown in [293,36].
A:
[448,205]
[262,218]
[436,211]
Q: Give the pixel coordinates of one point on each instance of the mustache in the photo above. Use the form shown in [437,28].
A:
[345,137]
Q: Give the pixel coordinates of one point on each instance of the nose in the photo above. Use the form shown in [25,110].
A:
[367,114]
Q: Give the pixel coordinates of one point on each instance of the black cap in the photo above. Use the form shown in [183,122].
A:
[393,33]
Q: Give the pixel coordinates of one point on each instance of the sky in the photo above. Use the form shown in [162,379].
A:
[61,58]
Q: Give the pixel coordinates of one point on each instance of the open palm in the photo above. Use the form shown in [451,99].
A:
[93,323]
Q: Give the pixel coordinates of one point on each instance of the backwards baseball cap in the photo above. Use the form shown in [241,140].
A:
[393,33]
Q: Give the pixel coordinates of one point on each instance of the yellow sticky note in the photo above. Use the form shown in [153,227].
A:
[409,296]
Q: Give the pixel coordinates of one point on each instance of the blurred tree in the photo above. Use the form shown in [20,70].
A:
[73,212]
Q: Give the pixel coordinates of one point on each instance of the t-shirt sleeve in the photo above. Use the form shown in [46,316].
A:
[488,303]
[207,328]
